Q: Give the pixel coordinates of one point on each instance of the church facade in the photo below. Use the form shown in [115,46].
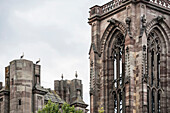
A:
[23,92]
[130,56]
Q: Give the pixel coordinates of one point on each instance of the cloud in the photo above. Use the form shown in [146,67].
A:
[54,30]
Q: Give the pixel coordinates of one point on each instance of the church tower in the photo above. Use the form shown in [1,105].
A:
[130,56]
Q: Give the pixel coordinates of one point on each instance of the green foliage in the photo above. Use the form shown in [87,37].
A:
[51,107]
[101,110]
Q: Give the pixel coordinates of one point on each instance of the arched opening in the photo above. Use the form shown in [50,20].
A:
[115,103]
[118,59]
[120,103]
[154,51]
[159,102]
[112,53]
[153,101]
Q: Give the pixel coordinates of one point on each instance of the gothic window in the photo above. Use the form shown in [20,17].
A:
[118,75]
[152,66]
[153,101]
[121,71]
[120,102]
[115,72]
[153,62]
[118,57]
[115,103]
[159,102]
[158,69]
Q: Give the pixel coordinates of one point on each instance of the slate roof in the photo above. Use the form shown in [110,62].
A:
[79,100]
[54,97]
[40,88]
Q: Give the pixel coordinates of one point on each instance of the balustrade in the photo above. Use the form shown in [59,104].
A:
[163,3]
[99,10]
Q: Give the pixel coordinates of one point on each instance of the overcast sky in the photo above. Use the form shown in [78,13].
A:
[56,31]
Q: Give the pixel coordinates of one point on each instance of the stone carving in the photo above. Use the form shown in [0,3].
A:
[143,25]
[160,18]
[128,21]
[113,21]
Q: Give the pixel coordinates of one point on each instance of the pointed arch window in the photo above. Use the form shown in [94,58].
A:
[159,102]
[153,101]
[115,103]
[118,74]
[153,63]
[118,61]
[120,102]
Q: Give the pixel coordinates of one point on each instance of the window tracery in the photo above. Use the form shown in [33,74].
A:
[154,54]
[118,81]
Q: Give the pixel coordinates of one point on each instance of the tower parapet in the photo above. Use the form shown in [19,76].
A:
[116,4]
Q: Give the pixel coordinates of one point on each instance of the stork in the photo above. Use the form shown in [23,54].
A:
[62,76]
[38,61]
[22,55]
[76,75]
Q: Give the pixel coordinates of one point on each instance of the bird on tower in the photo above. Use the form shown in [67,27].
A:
[62,77]
[76,75]
[22,55]
[38,61]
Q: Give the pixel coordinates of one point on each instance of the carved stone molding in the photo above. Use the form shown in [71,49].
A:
[143,25]
[160,18]
[128,21]
[114,24]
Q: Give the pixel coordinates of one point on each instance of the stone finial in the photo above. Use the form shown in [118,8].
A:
[76,75]
[128,22]
[62,76]
[143,25]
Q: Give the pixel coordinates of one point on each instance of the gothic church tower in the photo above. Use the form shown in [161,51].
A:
[129,56]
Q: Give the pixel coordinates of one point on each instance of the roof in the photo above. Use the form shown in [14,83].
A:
[3,91]
[80,101]
[40,88]
[54,97]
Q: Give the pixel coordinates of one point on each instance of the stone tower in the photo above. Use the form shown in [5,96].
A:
[129,56]
[22,92]
[71,91]
[20,74]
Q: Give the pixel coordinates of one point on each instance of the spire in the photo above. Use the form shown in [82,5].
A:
[76,75]
[62,77]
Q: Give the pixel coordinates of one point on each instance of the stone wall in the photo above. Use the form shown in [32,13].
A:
[134,21]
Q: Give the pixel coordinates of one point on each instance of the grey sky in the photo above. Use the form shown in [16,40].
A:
[54,30]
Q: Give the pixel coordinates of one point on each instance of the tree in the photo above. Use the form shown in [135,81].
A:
[101,110]
[51,107]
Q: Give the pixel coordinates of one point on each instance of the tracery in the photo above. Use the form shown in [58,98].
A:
[153,63]
[118,64]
